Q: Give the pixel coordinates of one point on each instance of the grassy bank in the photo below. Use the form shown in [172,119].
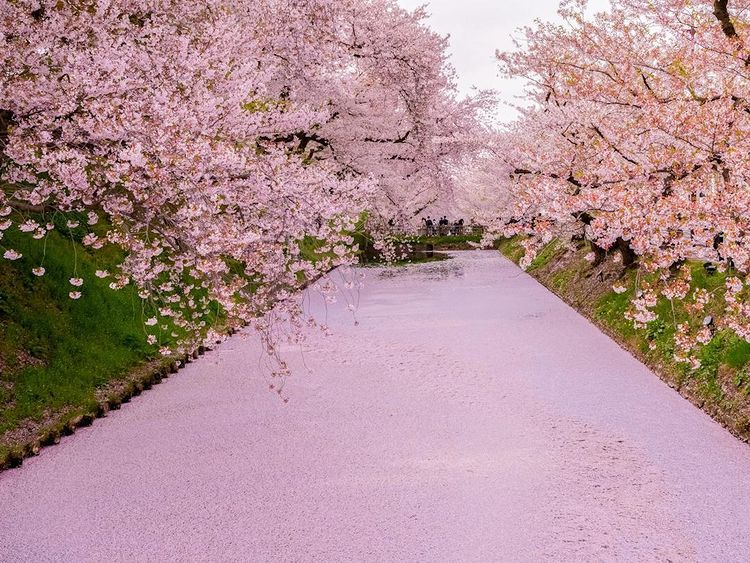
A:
[720,386]
[58,354]
[65,361]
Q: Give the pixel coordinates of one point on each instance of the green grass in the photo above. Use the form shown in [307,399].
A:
[562,279]
[545,256]
[656,342]
[58,351]
[737,354]
[511,248]
[611,309]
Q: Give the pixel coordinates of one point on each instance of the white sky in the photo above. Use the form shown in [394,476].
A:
[477,28]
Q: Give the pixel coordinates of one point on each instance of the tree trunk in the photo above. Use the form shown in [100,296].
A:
[722,14]
[599,253]
[628,256]
[6,118]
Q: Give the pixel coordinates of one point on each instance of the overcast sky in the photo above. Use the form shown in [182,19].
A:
[478,27]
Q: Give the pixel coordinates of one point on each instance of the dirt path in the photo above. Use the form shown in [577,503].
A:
[471,416]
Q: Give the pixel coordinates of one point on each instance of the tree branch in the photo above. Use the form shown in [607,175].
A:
[397,140]
[722,14]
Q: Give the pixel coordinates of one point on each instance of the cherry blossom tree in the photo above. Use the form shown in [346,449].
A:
[212,141]
[637,140]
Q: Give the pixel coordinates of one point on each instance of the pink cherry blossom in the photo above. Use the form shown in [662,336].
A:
[12,255]
[28,226]
[90,239]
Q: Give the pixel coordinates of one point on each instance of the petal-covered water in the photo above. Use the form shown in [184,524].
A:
[470,415]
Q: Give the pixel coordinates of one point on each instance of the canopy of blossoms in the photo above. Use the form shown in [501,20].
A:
[638,138]
[209,140]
